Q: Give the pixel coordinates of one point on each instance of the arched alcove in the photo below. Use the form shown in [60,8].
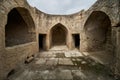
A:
[97,30]
[20,28]
[59,35]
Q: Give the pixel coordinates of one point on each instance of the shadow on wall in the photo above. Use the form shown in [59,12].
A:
[97,31]
[20,27]
[59,35]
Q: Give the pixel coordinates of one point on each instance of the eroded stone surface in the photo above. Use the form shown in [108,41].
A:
[21,24]
[65,61]
[62,68]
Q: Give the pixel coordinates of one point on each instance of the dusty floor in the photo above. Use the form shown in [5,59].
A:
[64,65]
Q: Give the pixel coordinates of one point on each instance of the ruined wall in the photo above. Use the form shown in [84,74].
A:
[11,57]
[71,22]
[117,43]
[111,8]
[107,20]
[117,48]
[75,23]
[17,26]
[47,21]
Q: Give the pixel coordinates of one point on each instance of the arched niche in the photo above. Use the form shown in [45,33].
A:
[97,30]
[20,28]
[59,34]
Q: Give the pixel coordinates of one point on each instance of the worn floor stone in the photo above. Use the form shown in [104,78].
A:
[79,75]
[64,75]
[67,68]
[52,61]
[25,30]
[41,61]
[65,61]
[67,54]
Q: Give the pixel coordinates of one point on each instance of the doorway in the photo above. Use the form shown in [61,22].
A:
[76,39]
[42,38]
[58,35]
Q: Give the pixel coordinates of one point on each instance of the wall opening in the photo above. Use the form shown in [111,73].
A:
[11,73]
[20,28]
[76,39]
[97,30]
[42,38]
[59,35]
[29,59]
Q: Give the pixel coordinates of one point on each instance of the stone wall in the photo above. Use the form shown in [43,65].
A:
[110,8]
[11,57]
[117,31]
[48,21]
[75,23]
[71,22]
[117,48]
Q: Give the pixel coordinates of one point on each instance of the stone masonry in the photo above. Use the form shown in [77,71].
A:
[26,31]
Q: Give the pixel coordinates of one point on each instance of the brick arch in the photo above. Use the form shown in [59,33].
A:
[20,27]
[97,30]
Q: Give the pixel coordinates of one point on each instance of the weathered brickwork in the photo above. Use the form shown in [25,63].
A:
[97,28]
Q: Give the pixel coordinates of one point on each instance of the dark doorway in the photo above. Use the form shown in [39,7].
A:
[42,41]
[76,39]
